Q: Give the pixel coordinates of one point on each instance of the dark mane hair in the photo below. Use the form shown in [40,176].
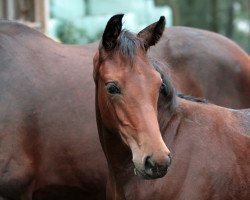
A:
[191,98]
[167,89]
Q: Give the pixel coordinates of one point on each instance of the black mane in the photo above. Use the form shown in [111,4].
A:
[191,98]
[168,89]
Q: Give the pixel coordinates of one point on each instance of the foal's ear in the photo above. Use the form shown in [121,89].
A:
[112,31]
[151,34]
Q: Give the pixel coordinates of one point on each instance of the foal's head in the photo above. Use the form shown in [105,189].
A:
[127,89]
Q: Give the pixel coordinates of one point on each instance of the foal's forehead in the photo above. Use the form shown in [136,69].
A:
[140,71]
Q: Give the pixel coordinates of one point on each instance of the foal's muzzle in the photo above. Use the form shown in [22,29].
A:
[153,170]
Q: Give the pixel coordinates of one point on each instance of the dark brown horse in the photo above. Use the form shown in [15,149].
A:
[141,122]
[49,146]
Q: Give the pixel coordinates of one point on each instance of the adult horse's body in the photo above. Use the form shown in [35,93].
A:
[141,122]
[49,146]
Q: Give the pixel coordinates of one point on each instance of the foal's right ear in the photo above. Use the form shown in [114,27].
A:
[112,31]
[151,34]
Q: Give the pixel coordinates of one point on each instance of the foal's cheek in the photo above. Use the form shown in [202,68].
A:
[107,111]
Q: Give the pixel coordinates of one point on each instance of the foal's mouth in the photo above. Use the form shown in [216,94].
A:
[153,174]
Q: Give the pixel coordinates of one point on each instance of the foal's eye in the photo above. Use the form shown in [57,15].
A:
[112,88]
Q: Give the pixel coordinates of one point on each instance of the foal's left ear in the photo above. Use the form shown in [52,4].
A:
[112,31]
[151,34]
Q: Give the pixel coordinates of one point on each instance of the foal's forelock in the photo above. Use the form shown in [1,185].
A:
[127,46]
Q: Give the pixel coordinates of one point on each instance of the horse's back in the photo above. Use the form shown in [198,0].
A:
[47,133]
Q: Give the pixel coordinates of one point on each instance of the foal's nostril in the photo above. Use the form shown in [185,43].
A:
[149,164]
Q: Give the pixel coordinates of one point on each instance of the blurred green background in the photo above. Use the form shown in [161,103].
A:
[82,21]
[228,17]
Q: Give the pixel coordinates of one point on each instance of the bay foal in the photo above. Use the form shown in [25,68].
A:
[189,149]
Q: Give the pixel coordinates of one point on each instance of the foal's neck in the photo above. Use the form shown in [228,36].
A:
[118,154]
[119,162]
